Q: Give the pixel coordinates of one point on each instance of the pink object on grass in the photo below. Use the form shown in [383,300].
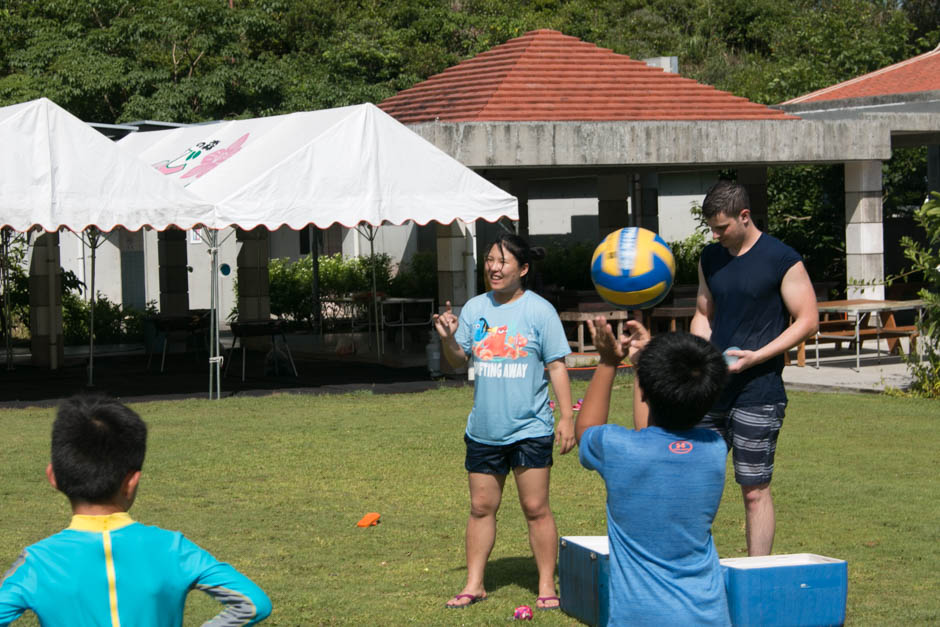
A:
[523,612]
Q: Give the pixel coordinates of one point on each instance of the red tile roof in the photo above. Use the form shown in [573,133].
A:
[547,76]
[918,74]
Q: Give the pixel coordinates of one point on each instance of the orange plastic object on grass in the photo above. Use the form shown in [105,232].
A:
[369,520]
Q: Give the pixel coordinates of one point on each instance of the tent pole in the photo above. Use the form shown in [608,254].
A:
[316,312]
[4,278]
[93,244]
[375,295]
[53,270]
[215,370]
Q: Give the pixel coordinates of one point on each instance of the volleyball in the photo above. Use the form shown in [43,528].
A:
[633,268]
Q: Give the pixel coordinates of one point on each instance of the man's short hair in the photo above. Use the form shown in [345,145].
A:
[96,442]
[681,375]
[726,197]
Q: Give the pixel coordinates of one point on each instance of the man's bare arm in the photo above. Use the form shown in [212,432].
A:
[701,324]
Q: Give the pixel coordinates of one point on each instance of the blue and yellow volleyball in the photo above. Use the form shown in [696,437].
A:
[633,268]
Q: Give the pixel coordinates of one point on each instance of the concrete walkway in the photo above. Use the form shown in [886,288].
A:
[837,372]
[842,377]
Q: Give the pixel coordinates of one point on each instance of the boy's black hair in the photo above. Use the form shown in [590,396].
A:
[520,249]
[96,442]
[681,375]
[725,197]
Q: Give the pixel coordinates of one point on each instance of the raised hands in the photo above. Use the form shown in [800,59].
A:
[612,349]
[638,339]
[445,323]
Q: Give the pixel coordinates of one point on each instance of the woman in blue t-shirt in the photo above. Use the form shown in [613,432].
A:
[512,336]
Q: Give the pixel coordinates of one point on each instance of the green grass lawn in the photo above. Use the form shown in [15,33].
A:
[275,486]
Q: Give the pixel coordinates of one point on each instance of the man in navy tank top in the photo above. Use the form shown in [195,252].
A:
[755,301]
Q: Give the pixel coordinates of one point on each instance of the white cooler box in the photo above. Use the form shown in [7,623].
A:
[798,590]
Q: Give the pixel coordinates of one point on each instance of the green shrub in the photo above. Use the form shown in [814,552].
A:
[417,278]
[113,323]
[567,266]
[291,288]
[341,276]
[924,365]
[687,253]
[12,256]
[291,282]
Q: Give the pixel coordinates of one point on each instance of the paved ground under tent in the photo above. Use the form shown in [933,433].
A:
[123,371]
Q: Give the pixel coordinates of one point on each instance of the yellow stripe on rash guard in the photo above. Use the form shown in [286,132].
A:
[112,579]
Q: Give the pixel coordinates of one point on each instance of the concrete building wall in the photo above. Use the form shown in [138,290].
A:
[698,143]
[557,216]
[562,210]
[75,257]
[678,193]
[198,260]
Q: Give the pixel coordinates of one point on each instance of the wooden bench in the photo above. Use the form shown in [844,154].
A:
[581,317]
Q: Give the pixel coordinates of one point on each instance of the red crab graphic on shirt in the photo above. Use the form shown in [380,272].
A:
[496,345]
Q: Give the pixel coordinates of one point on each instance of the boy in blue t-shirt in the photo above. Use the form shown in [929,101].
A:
[664,480]
[106,569]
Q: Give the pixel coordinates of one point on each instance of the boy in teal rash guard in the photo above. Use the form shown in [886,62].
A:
[664,479]
[105,569]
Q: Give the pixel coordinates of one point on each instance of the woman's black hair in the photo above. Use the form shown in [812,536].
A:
[520,249]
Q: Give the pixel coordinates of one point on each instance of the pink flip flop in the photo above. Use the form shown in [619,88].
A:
[546,599]
[473,599]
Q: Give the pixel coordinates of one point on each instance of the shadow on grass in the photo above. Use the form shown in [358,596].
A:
[508,571]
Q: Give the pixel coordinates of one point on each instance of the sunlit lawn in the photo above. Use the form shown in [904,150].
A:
[275,485]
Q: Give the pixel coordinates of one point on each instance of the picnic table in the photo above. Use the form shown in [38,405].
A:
[854,322]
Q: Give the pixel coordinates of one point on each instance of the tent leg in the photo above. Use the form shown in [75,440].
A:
[93,239]
[211,237]
[8,323]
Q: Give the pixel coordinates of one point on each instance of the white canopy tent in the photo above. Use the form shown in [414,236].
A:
[352,165]
[347,165]
[58,173]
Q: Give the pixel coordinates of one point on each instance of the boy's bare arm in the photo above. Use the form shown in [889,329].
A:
[639,338]
[612,351]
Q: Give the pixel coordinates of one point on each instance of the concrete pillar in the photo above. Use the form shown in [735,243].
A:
[456,270]
[933,168]
[649,202]
[754,181]
[519,187]
[151,253]
[455,252]
[864,239]
[174,275]
[612,211]
[254,301]
[45,303]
